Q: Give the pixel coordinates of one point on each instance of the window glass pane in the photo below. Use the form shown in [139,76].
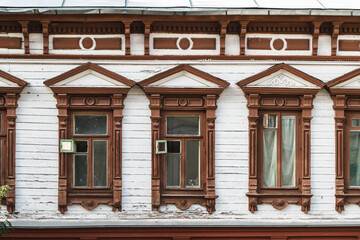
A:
[269,157]
[288,151]
[81,146]
[355,158]
[271,121]
[173,170]
[173,146]
[80,170]
[90,124]
[182,125]
[192,163]
[100,163]
[355,122]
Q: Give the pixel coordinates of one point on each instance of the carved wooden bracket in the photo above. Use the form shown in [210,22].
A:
[127,37]
[316,32]
[45,30]
[334,36]
[223,28]
[243,28]
[25,31]
[147,37]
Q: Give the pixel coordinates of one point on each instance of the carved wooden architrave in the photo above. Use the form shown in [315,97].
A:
[346,100]
[9,96]
[109,98]
[184,99]
[280,98]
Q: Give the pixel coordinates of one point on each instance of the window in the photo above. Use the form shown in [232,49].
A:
[185,154]
[280,102]
[90,161]
[8,104]
[279,152]
[346,95]
[90,136]
[183,102]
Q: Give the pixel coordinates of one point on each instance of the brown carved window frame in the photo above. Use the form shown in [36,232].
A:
[346,103]
[94,99]
[183,101]
[8,105]
[279,99]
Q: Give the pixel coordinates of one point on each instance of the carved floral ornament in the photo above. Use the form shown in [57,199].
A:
[280,94]
[74,98]
[181,100]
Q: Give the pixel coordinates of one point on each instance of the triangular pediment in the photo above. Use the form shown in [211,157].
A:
[279,78]
[89,75]
[282,79]
[10,83]
[183,77]
[90,78]
[349,80]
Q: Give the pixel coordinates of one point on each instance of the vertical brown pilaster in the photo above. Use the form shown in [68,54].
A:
[253,106]
[45,31]
[62,105]
[147,37]
[340,121]
[223,28]
[210,196]
[306,106]
[316,32]
[25,31]
[11,104]
[127,37]
[334,37]
[117,104]
[155,106]
[243,26]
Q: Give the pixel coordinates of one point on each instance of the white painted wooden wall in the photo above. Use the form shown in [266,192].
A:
[37,146]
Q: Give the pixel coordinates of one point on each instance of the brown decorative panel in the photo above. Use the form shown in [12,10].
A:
[349,45]
[10,42]
[278,44]
[10,27]
[108,44]
[87,43]
[182,102]
[66,43]
[259,43]
[184,43]
[90,101]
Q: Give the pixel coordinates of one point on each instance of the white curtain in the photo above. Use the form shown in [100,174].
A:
[269,158]
[355,158]
[288,151]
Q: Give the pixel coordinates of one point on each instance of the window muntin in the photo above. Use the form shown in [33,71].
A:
[90,160]
[182,165]
[279,152]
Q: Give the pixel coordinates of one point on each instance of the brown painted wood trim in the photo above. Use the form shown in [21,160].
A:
[278,67]
[184,67]
[349,45]
[13,79]
[315,33]
[66,43]
[127,25]
[25,31]
[223,27]
[182,58]
[342,79]
[334,36]
[85,67]
[110,44]
[258,43]
[147,30]
[10,42]
[297,44]
[45,31]
[181,233]
[164,43]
